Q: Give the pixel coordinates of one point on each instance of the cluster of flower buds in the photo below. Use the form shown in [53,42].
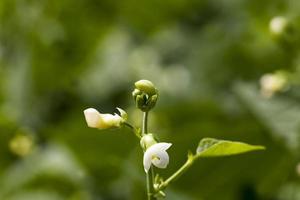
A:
[145,95]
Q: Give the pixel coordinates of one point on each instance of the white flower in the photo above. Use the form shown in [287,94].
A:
[95,119]
[272,83]
[156,155]
[278,24]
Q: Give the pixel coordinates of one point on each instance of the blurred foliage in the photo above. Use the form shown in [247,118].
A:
[206,58]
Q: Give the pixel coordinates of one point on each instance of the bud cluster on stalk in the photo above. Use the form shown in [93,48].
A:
[145,95]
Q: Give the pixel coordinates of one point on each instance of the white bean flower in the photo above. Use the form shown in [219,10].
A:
[95,119]
[272,83]
[278,25]
[156,155]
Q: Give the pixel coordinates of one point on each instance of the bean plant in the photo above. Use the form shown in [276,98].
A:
[145,96]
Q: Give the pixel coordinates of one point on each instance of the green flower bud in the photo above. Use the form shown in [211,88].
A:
[135,93]
[145,95]
[140,102]
[147,141]
[146,87]
[152,101]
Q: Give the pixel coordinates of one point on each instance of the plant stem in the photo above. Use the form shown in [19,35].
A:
[145,123]
[134,130]
[129,125]
[150,190]
[149,175]
[178,173]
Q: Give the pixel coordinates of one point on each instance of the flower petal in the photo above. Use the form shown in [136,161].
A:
[156,151]
[161,159]
[147,161]
[161,146]
[123,114]
[92,117]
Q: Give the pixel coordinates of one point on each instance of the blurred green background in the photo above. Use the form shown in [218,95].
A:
[206,57]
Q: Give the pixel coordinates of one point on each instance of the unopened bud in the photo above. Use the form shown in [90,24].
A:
[147,141]
[21,145]
[272,83]
[146,87]
[278,25]
[145,95]
[135,93]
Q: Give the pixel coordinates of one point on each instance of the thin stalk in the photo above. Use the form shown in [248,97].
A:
[129,125]
[149,186]
[178,173]
[149,175]
[145,123]
[134,130]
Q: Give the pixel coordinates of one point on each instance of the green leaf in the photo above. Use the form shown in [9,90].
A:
[209,147]
[283,126]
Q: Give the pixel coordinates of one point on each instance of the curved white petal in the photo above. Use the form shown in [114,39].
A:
[147,161]
[161,146]
[157,155]
[161,159]
[92,117]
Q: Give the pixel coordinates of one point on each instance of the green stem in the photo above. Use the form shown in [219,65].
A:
[145,123]
[150,185]
[134,130]
[178,173]
[150,174]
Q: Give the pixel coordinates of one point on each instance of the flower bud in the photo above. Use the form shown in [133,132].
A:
[21,145]
[272,83]
[145,95]
[135,93]
[151,102]
[147,141]
[278,25]
[145,86]
[95,119]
